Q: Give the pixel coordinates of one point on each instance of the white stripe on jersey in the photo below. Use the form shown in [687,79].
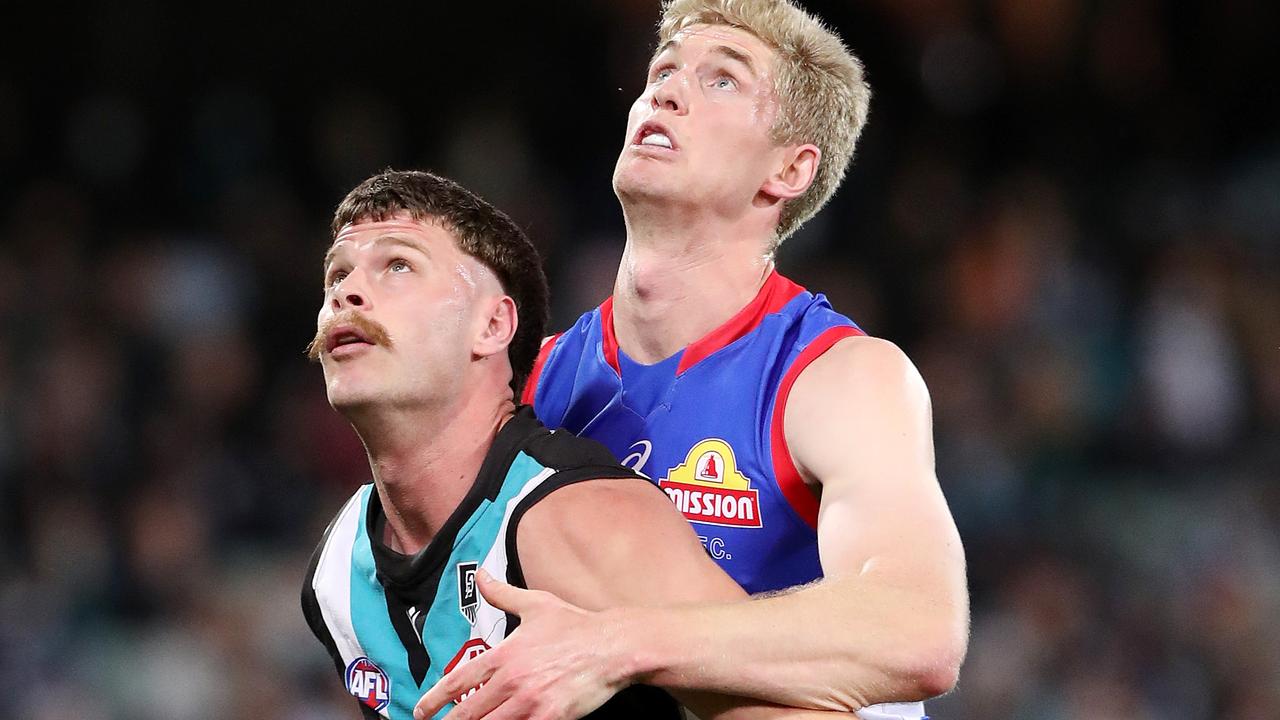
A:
[491,623]
[332,580]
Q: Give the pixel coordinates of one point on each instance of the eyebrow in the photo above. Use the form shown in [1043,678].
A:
[736,56]
[389,239]
[663,48]
[722,50]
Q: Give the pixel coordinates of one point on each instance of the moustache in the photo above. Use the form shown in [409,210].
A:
[372,330]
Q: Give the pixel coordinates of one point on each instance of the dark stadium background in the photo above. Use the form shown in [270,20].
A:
[1067,212]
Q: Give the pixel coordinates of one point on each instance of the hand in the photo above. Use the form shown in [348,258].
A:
[557,665]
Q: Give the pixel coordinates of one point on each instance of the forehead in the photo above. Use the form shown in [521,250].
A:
[701,37]
[401,228]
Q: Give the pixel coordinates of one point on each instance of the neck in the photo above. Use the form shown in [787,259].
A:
[678,282]
[425,459]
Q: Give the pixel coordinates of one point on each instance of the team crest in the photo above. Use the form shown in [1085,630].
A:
[468,597]
[708,488]
[367,682]
[469,651]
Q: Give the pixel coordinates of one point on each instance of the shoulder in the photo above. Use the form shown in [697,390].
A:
[330,568]
[862,392]
[868,366]
[582,540]
[587,326]
[610,541]
[559,352]
[809,329]
[561,450]
[341,534]
[342,528]
[579,510]
[530,389]
[812,314]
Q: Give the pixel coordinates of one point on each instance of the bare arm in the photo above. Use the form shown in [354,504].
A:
[598,545]
[890,621]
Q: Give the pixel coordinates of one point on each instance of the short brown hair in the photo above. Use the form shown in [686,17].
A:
[481,231]
[822,96]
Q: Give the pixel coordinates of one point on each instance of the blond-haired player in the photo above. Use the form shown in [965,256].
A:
[800,448]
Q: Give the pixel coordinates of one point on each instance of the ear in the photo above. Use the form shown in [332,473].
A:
[800,166]
[499,327]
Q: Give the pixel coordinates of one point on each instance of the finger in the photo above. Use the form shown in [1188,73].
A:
[458,681]
[478,704]
[507,598]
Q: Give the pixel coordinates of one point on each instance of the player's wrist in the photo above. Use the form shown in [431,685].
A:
[635,650]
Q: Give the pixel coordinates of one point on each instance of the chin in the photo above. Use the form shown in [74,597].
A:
[348,405]
[634,183]
[345,398]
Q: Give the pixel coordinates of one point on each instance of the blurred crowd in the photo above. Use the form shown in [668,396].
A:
[1066,212]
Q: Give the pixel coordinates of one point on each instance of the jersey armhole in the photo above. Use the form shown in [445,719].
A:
[531,384]
[562,478]
[798,495]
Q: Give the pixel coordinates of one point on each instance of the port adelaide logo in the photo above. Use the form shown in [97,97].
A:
[368,683]
[468,598]
[708,488]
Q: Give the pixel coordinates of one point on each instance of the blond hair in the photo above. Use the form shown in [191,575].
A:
[822,97]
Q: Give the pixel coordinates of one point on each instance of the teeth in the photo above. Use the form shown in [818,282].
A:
[656,139]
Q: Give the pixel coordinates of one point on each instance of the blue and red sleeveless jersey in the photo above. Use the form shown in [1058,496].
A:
[706,423]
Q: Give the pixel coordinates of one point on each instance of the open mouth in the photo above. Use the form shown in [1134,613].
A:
[651,134]
[345,336]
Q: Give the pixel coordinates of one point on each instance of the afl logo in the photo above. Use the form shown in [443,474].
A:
[368,683]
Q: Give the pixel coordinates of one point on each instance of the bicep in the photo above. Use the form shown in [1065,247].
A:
[858,422]
[608,543]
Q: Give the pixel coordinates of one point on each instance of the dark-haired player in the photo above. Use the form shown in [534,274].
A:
[434,303]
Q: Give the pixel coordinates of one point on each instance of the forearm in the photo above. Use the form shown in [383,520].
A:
[709,706]
[841,644]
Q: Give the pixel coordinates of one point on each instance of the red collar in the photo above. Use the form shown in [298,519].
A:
[776,292]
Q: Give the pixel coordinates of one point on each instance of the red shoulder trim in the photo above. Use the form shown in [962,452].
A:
[531,384]
[776,293]
[608,340]
[798,495]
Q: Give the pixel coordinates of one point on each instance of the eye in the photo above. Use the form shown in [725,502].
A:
[724,82]
[399,265]
[335,277]
[663,74]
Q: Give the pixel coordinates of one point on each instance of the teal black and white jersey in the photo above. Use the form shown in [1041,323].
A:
[395,624]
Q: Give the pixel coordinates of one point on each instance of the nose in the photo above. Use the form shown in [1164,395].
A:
[350,293]
[669,95]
